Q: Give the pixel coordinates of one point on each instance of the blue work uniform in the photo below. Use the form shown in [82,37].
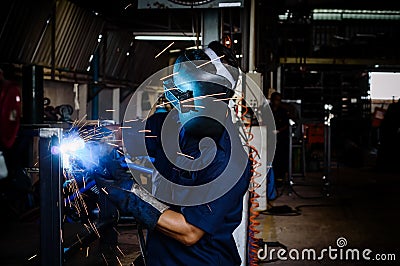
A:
[218,219]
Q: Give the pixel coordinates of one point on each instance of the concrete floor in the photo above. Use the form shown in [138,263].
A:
[363,208]
[20,245]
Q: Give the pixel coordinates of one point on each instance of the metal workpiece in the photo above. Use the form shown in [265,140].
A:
[50,172]
[50,132]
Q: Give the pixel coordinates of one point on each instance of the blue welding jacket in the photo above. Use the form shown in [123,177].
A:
[218,219]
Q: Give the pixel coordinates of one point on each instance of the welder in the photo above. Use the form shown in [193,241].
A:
[197,234]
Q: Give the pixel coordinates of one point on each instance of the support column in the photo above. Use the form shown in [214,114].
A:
[210,26]
[32,94]
[51,247]
[252,39]
[116,105]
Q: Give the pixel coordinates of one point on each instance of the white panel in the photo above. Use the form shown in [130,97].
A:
[116,105]
[260,142]
[240,233]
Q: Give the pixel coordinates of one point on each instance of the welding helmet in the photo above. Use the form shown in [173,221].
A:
[200,78]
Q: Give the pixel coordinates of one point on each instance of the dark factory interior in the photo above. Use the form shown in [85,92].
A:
[112,112]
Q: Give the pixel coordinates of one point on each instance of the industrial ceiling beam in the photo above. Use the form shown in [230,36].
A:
[337,61]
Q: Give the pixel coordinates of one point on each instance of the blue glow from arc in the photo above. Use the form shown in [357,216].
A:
[69,147]
[76,154]
[72,144]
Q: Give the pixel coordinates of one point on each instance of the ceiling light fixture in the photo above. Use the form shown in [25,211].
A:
[165,38]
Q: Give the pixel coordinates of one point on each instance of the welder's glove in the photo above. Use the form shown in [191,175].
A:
[132,199]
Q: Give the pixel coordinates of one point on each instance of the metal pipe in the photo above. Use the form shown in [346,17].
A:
[252,38]
[51,250]
[32,93]
[278,78]
[139,168]
[290,170]
[244,24]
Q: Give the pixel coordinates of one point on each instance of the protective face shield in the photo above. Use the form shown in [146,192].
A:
[199,79]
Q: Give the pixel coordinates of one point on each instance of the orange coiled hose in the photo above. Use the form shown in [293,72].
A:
[253,223]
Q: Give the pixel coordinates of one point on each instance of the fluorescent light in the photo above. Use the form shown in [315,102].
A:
[339,14]
[233,4]
[165,38]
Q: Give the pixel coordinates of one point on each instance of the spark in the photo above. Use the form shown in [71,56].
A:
[89,137]
[132,120]
[119,261]
[80,241]
[36,163]
[104,190]
[120,152]
[171,89]
[127,6]
[110,110]
[112,144]
[168,76]
[124,127]
[121,251]
[144,130]
[202,97]
[77,122]
[104,258]
[87,227]
[84,124]
[115,229]
[34,256]
[87,252]
[191,157]
[194,106]
[61,236]
[165,49]
[94,229]
[150,136]
[84,183]
[80,120]
[225,99]
[210,61]
[170,102]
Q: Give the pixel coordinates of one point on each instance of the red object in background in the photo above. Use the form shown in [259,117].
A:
[314,133]
[10,113]
[379,114]
[227,41]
